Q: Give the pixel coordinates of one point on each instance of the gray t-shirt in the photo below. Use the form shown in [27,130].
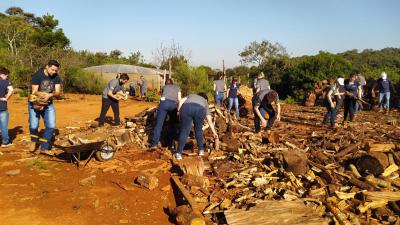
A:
[261,95]
[220,85]
[262,84]
[143,84]
[114,86]
[197,99]
[170,91]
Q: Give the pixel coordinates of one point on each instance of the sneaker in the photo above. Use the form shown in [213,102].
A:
[178,156]
[201,152]
[6,145]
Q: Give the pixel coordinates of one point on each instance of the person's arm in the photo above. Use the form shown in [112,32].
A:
[179,96]
[214,87]
[225,88]
[211,124]
[330,99]
[227,92]
[278,109]
[359,91]
[9,93]
[263,121]
[181,103]
[110,94]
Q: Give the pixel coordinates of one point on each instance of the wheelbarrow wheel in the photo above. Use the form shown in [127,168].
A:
[106,152]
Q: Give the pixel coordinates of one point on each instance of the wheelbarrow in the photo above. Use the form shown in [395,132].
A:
[99,144]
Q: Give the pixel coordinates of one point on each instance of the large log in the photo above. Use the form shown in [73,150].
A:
[275,213]
[186,216]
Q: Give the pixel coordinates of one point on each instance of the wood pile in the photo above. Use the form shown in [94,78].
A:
[299,173]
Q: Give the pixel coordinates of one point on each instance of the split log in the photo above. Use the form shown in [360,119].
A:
[369,164]
[381,147]
[148,181]
[275,213]
[296,162]
[192,165]
[347,150]
[372,205]
[193,180]
[270,137]
[382,195]
[339,215]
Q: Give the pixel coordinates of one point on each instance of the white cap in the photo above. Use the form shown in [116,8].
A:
[384,75]
[340,80]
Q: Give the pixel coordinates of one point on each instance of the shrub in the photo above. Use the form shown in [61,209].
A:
[82,81]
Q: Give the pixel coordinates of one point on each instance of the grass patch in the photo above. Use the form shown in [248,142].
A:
[39,165]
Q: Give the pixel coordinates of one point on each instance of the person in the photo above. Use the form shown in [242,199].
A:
[339,96]
[132,91]
[352,93]
[193,109]
[171,95]
[232,94]
[219,89]
[262,83]
[361,82]
[330,104]
[112,93]
[384,85]
[47,81]
[6,91]
[143,86]
[263,101]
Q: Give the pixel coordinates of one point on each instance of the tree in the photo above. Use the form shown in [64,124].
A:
[136,58]
[47,34]
[15,32]
[115,54]
[173,52]
[260,53]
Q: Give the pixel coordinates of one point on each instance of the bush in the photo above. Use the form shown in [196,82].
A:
[82,81]
[152,96]
[289,100]
[193,80]
[23,93]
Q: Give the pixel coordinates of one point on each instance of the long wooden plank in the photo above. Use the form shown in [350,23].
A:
[185,193]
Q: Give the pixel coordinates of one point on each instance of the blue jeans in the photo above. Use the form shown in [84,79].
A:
[236,102]
[49,117]
[357,107]
[387,100]
[165,107]
[4,127]
[191,113]
[219,98]
[330,113]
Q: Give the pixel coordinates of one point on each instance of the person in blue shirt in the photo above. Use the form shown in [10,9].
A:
[233,92]
[384,85]
[353,91]
[6,90]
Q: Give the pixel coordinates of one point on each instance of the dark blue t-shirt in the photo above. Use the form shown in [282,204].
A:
[46,83]
[352,88]
[384,85]
[4,84]
[233,90]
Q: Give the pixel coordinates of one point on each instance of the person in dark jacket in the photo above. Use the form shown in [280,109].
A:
[353,91]
[384,85]
[262,103]
[233,99]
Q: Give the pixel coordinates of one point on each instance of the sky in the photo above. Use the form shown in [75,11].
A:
[214,30]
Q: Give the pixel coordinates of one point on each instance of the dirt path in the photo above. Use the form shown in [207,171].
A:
[48,192]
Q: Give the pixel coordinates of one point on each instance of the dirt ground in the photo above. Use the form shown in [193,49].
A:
[46,191]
